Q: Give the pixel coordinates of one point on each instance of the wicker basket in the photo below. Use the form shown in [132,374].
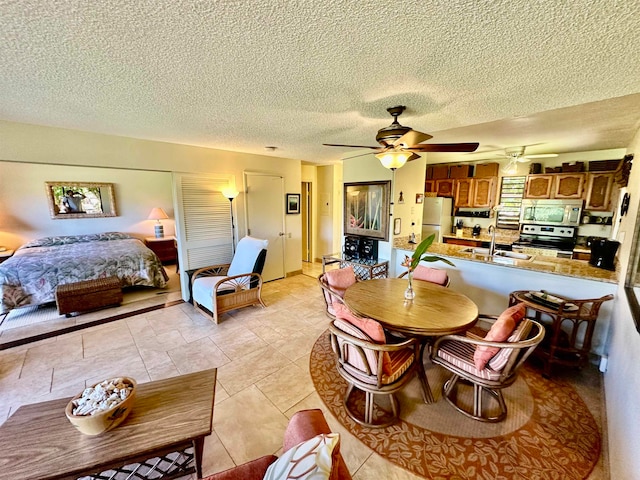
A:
[88,295]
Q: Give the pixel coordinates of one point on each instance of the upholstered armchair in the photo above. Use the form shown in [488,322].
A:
[369,363]
[220,288]
[333,285]
[488,364]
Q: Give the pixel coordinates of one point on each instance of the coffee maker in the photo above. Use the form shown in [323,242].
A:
[603,253]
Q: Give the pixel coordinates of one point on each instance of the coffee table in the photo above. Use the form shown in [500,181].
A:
[435,311]
[169,416]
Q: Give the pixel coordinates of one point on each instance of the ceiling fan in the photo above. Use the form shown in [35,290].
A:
[400,140]
[516,155]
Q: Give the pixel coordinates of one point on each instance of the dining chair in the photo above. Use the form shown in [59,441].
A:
[429,274]
[333,284]
[217,289]
[497,371]
[372,366]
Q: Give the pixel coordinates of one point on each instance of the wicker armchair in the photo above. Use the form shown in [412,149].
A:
[333,284]
[456,354]
[220,288]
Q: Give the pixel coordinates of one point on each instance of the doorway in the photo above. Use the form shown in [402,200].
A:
[265,218]
[307,221]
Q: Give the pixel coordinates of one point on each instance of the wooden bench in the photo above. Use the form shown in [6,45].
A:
[88,295]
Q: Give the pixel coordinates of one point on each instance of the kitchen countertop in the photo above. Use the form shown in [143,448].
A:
[539,263]
[503,237]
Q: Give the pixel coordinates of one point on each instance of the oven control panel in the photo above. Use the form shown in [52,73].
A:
[548,230]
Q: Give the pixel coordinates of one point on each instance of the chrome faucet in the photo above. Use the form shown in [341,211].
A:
[492,248]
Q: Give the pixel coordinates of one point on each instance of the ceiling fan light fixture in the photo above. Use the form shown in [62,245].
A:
[393,159]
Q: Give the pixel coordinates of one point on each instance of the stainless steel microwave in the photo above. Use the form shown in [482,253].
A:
[551,212]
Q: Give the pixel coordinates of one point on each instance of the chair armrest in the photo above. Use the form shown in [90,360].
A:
[242,281]
[211,271]
[380,347]
[474,340]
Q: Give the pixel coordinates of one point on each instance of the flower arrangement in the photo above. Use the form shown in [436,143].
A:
[419,255]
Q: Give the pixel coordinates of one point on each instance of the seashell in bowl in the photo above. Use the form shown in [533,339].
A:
[102,406]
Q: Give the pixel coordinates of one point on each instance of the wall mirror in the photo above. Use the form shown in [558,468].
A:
[632,282]
[366,209]
[80,200]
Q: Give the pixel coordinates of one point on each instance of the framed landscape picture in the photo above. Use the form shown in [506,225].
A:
[293,203]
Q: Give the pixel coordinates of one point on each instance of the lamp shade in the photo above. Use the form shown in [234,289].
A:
[157,214]
[393,159]
[230,193]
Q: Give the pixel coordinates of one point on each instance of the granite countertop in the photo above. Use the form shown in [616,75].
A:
[538,263]
[503,237]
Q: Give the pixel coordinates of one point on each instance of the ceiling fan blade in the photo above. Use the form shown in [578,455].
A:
[411,138]
[414,156]
[350,146]
[542,155]
[444,147]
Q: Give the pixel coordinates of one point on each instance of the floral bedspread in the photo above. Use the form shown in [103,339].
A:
[31,275]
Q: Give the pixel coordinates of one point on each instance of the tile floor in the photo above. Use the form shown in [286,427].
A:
[262,356]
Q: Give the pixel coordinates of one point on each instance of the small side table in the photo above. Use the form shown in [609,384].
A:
[563,346]
[164,248]
[5,255]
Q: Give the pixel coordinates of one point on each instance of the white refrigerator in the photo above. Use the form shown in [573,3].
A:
[437,217]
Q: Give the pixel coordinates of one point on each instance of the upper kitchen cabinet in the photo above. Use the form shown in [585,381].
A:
[460,171]
[444,187]
[557,185]
[484,192]
[464,192]
[538,186]
[569,186]
[599,189]
[430,186]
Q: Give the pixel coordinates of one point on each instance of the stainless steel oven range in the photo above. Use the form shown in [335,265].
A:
[552,240]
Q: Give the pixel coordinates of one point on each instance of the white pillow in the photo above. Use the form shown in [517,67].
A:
[308,460]
[246,254]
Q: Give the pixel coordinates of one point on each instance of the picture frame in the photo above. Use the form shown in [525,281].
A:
[73,200]
[397,226]
[366,209]
[419,197]
[293,203]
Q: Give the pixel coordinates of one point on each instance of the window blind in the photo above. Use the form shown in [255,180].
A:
[511,192]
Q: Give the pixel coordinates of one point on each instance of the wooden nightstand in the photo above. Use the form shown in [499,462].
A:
[164,248]
[5,254]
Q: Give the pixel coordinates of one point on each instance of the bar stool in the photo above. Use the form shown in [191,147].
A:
[561,345]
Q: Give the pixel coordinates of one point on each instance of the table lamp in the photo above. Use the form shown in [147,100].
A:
[158,214]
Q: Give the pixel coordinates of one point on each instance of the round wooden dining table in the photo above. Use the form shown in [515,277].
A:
[435,311]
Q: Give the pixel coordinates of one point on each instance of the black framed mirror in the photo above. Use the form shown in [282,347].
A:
[80,200]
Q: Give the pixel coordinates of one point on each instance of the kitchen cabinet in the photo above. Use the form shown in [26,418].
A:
[559,185]
[462,241]
[460,171]
[464,192]
[439,172]
[444,187]
[475,192]
[569,186]
[430,186]
[538,186]
[484,192]
[599,189]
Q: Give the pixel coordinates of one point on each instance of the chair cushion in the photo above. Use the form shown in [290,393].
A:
[247,252]
[370,327]
[433,275]
[499,332]
[500,360]
[202,290]
[312,459]
[461,355]
[340,279]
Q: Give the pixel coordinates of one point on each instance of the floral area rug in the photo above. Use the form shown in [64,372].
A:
[549,432]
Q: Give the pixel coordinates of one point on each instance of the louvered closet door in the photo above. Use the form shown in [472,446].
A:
[203,223]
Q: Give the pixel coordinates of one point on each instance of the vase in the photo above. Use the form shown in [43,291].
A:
[409,294]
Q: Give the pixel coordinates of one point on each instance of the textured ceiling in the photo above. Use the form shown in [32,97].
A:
[242,75]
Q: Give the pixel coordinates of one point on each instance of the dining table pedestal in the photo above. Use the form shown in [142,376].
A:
[434,311]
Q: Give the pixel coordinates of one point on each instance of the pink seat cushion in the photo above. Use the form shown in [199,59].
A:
[499,332]
[370,327]
[433,275]
[340,279]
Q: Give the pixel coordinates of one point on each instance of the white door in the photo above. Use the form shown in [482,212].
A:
[265,218]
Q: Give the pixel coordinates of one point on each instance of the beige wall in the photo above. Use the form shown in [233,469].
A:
[622,379]
[45,145]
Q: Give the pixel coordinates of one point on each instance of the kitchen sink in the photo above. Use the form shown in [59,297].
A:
[499,256]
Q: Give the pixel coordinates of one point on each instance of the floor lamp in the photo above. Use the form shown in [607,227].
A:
[231,194]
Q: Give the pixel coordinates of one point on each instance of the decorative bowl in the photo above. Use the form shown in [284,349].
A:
[100,408]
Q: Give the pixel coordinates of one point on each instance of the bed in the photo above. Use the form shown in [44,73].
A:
[31,275]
